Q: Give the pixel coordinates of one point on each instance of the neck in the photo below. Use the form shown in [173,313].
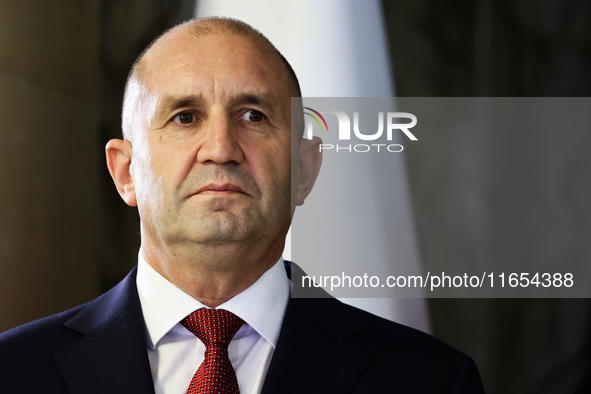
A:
[212,274]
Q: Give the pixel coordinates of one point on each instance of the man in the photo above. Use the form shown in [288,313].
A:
[206,159]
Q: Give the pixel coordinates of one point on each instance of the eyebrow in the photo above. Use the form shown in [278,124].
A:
[264,100]
[171,103]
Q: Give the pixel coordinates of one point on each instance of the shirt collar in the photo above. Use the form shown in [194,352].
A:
[164,305]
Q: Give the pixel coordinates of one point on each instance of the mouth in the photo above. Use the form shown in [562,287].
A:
[220,189]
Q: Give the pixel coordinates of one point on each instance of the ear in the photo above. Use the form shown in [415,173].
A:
[119,163]
[309,166]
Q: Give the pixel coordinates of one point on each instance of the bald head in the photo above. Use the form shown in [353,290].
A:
[211,158]
[136,101]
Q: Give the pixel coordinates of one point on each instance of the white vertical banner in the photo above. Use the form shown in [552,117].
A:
[338,48]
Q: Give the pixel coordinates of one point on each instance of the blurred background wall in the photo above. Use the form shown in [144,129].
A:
[65,235]
[50,158]
[500,197]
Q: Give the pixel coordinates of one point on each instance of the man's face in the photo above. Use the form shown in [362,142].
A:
[212,163]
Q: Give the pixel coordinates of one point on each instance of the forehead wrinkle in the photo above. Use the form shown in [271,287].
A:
[192,61]
[180,65]
[159,50]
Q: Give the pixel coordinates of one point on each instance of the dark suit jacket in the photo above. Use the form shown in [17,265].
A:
[324,347]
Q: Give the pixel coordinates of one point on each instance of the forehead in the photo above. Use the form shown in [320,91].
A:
[218,65]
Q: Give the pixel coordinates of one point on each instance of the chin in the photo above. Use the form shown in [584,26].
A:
[223,228]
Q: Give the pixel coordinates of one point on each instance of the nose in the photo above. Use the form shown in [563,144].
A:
[220,140]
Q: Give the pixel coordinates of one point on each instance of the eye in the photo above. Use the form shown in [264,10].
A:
[252,115]
[184,118]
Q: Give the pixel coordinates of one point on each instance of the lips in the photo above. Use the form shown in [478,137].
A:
[220,188]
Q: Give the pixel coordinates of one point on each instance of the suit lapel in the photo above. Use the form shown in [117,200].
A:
[112,357]
[311,354]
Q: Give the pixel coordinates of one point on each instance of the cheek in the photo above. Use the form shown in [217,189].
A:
[152,178]
[276,185]
[273,152]
[166,166]
[270,167]
[147,186]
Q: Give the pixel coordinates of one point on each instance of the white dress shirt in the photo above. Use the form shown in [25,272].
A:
[175,353]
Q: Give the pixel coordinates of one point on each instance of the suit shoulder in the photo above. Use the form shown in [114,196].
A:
[31,347]
[379,336]
[356,323]
[403,336]
[398,355]
[64,324]
[52,330]
[40,333]
[416,355]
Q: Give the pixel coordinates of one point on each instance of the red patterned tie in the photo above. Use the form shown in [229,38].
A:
[215,328]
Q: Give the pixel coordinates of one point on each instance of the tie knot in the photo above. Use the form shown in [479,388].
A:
[213,326]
